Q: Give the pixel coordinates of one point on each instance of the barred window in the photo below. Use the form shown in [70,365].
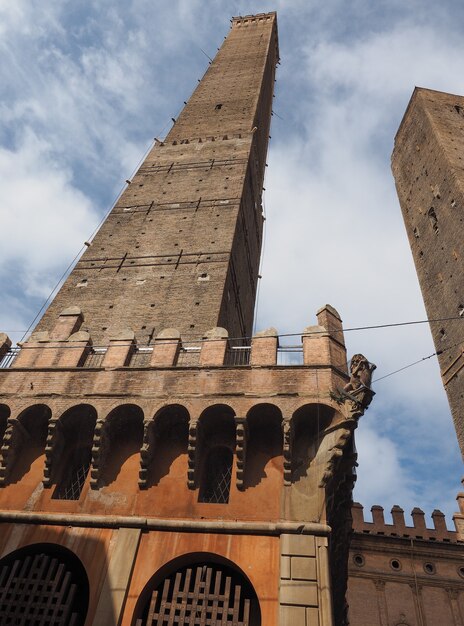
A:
[217,475]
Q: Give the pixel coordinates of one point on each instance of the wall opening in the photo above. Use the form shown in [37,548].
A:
[207,589]
[216,476]
[43,584]
[73,451]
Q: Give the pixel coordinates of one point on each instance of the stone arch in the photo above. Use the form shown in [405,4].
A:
[217,582]
[309,423]
[264,435]
[165,439]
[69,451]
[121,439]
[50,586]
[215,429]
[25,439]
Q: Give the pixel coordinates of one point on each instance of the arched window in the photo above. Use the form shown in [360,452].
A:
[73,451]
[41,585]
[216,476]
[204,592]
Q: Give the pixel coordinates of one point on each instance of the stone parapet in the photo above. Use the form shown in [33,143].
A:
[398,528]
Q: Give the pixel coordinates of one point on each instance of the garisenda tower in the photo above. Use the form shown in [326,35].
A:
[160,465]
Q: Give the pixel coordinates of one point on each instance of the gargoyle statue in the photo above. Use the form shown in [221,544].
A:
[360,373]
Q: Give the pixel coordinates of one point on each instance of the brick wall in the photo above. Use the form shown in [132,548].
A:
[181,247]
[428,165]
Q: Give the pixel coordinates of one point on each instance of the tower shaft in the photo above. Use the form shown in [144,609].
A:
[181,247]
[428,167]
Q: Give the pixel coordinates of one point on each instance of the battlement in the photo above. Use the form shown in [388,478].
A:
[252,19]
[398,527]
[67,345]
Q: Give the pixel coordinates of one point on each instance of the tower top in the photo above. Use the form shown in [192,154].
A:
[249,20]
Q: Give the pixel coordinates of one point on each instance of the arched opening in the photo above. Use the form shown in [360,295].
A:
[264,442]
[124,438]
[215,454]
[309,423]
[198,589]
[31,438]
[4,415]
[72,451]
[43,584]
[169,441]
[217,476]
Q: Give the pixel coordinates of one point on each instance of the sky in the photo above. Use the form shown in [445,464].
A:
[86,86]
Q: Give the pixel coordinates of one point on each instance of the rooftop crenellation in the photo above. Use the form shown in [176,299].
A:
[399,528]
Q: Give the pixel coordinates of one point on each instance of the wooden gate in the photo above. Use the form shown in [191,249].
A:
[200,596]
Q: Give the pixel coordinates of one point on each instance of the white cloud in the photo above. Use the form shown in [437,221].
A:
[44,218]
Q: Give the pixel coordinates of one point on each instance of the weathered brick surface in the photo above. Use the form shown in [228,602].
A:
[428,165]
[181,247]
[402,569]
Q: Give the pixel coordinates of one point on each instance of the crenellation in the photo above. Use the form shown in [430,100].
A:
[398,527]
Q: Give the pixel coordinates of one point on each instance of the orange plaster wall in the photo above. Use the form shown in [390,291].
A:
[170,498]
[255,556]
[90,545]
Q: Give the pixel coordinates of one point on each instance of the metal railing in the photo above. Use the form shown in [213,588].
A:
[9,357]
[188,356]
[290,355]
[95,357]
[237,355]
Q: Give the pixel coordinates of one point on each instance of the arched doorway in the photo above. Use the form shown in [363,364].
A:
[199,590]
[43,584]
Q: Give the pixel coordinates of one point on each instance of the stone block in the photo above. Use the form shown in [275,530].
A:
[292,616]
[285,567]
[312,616]
[297,545]
[303,568]
[298,592]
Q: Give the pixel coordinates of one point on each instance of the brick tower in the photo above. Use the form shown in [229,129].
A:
[153,471]
[428,167]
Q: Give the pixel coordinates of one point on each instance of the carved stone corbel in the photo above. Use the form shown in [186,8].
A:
[99,452]
[146,452]
[355,402]
[288,434]
[13,439]
[193,452]
[53,448]
[241,435]
[335,454]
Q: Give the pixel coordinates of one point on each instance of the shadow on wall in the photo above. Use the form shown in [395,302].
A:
[264,442]
[168,439]
[124,433]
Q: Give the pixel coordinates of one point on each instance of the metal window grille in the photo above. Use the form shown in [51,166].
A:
[204,596]
[72,488]
[217,476]
[38,590]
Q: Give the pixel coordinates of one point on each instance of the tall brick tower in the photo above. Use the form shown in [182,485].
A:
[428,165]
[154,472]
[186,233]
